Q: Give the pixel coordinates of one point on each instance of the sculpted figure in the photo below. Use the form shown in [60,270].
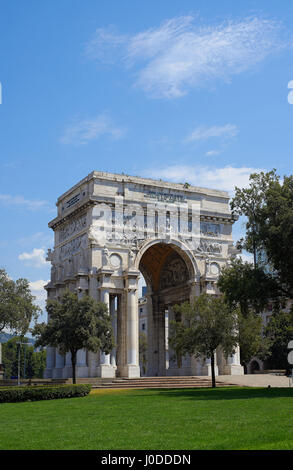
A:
[105,256]
[131,258]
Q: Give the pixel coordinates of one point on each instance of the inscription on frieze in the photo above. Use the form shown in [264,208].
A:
[72,201]
[164,197]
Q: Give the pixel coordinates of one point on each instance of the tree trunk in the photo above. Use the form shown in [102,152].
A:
[73,362]
[213,369]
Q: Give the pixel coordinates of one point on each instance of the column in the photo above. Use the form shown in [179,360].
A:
[207,367]
[150,336]
[50,362]
[162,341]
[154,346]
[81,368]
[233,366]
[93,286]
[59,365]
[114,327]
[93,358]
[121,351]
[105,369]
[132,327]
[131,368]
[173,368]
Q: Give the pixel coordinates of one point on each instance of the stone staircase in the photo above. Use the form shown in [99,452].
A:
[158,382]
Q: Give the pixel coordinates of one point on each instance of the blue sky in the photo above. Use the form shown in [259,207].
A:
[189,91]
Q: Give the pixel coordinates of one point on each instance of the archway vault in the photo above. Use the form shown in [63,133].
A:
[152,258]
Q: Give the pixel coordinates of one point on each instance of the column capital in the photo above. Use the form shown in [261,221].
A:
[131,290]
[131,273]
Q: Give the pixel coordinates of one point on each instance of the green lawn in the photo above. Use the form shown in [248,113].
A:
[224,418]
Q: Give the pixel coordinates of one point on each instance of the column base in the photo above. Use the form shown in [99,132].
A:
[233,369]
[130,371]
[48,373]
[207,370]
[106,371]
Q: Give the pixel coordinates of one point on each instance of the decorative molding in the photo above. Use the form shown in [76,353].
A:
[72,247]
[72,227]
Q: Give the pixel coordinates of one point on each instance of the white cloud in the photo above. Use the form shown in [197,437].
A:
[9,200]
[180,54]
[204,133]
[81,132]
[38,286]
[36,258]
[37,289]
[225,178]
[212,153]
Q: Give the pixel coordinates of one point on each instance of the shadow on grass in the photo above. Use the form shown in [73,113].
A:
[223,393]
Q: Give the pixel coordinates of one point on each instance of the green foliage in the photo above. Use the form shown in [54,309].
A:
[76,324]
[33,363]
[268,206]
[249,202]
[17,309]
[17,394]
[251,341]
[276,231]
[205,324]
[196,418]
[278,333]
[248,286]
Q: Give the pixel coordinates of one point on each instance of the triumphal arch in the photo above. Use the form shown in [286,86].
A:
[111,228]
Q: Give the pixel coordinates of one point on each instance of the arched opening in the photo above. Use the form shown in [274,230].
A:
[167,271]
[254,367]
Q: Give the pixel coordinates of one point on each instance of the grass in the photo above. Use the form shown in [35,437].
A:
[168,419]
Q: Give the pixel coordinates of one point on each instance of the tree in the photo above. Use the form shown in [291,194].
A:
[275,222]
[249,202]
[268,206]
[251,289]
[248,286]
[32,362]
[251,340]
[75,324]
[205,325]
[278,333]
[17,309]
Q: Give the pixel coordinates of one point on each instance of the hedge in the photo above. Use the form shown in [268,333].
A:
[31,393]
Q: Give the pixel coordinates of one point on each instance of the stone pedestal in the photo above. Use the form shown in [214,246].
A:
[233,369]
[207,368]
[130,371]
[233,366]
[106,371]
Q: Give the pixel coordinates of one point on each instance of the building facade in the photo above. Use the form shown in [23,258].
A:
[111,228]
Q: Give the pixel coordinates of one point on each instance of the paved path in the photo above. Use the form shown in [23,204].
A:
[256,380]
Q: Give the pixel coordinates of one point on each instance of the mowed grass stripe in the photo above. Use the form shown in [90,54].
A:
[158,419]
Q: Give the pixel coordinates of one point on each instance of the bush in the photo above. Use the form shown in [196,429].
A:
[15,394]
